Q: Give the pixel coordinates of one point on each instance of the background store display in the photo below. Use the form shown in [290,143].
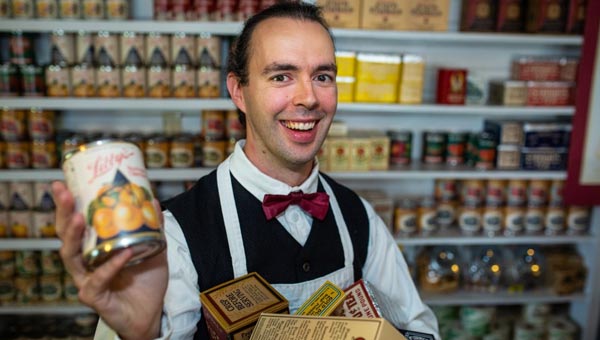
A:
[81,327]
[66,9]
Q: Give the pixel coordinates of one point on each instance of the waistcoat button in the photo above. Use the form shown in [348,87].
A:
[306,267]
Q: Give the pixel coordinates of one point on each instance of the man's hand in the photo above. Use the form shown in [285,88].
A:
[128,299]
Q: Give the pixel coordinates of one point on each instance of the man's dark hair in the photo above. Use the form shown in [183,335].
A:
[237,60]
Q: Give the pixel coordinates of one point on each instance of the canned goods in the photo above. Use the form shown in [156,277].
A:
[159,82]
[108,82]
[27,262]
[5,9]
[43,154]
[495,192]
[22,9]
[70,291]
[33,81]
[246,9]
[63,48]
[84,84]
[427,215]
[17,155]
[58,81]
[21,48]
[578,218]
[40,124]
[400,147]
[469,218]
[106,46]
[2,153]
[434,147]
[26,289]
[4,196]
[208,50]
[209,82]
[135,138]
[157,152]
[492,219]
[514,219]
[182,49]
[43,224]
[117,9]
[109,179]
[456,148]
[161,8]
[7,264]
[213,124]
[93,9]
[85,50]
[157,49]
[132,49]
[446,213]
[46,9]
[516,192]
[535,216]
[555,221]
[134,81]
[538,191]
[556,191]
[181,153]
[472,191]
[486,151]
[42,196]
[183,82]
[69,9]
[446,189]
[13,124]
[178,9]
[9,80]
[405,217]
[225,10]
[7,290]
[233,127]
[72,143]
[20,223]
[50,288]
[4,224]
[213,152]
[451,86]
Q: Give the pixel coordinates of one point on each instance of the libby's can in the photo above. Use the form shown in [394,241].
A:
[22,9]
[456,148]
[213,152]
[93,9]
[109,183]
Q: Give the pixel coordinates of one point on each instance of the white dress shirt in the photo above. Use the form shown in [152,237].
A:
[385,268]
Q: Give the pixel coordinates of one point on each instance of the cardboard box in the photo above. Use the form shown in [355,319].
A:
[341,13]
[301,327]
[478,15]
[426,15]
[377,78]
[324,301]
[412,74]
[383,15]
[231,309]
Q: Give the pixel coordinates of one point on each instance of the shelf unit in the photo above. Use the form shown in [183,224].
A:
[584,310]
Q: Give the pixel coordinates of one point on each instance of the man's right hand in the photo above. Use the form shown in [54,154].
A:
[128,299]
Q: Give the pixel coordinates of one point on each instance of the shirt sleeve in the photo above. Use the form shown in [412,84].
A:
[181,309]
[385,269]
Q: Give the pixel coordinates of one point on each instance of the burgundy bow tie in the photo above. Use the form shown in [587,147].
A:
[315,204]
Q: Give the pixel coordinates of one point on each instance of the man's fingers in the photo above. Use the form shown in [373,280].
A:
[70,251]
[65,205]
[97,282]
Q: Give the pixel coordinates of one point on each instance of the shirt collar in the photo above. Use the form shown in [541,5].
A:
[258,183]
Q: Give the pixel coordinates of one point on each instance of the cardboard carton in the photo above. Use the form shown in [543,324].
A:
[324,301]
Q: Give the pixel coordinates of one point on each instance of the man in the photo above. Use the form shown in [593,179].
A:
[282,76]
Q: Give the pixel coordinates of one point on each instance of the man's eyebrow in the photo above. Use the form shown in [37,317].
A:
[327,67]
[276,67]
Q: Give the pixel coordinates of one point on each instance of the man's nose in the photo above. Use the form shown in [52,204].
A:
[305,94]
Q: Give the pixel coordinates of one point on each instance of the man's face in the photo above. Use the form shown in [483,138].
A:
[291,95]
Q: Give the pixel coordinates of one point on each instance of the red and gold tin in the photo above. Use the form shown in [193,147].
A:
[446,189]
[213,152]
[69,9]
[18,155]
[13,124]
[495,192]
[492,219]
[538,191]
[246,9]
[117,9]
[43,224]
[83,80]
[203,10]
[108,179]
[46,9]
[157,152]
[58,81]
[20,222]
[400,147]
[43,154]
[181,152]
[473,192]
[556,191]
[213,124]
[40,123]
[225,10]
[516,192]
[161,8]
[451,86]
[178,9]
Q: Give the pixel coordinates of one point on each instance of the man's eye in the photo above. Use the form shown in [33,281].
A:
[324,77]
[279,77]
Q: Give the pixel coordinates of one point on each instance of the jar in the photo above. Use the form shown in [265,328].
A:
[514,219]
[157,151]
[555,221]
[427,216]
[446,189]
[405,217]
[213,152]
[469,219]
[446,213]
[535,215]
[182,151]
[495,191]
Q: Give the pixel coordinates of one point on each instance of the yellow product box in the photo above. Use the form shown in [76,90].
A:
[345,87]
[339,153]
[232,308]
[383,14]
[377,77]
[360,152]
[323,156]
[380,151]
[412,74]
[324,301]
[426,15]
[346,63]
[341,13]
[304,327]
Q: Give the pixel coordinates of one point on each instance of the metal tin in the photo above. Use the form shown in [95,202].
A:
[7,264]
[485,158]
[495,192]
[4,225]
[472,192]
[58,81]
[93,9]
[26,289]
[70,291]
[446,213]
[18,155]
[209,82]
[5,9]
[4,196]
[20,223]
[181,152]
[33,81]
[7,291]
[43,154]
[538,191]
[108,82]
[27,262]
[20,195]
[182,49]
[117,9]
[83,80]
[469,218]
[50,288]
[13,124]
[9,80]
[456,148]
[246,9]
[135,138]
[233,127]
[446,189]
[535,216]
[516,192]
[42,196]
[85,49]
[40,123]
[132,49]
[213,152]
[157,49]
[400,147]
[555,221]
[178,9]
[556,191]
[109,179]
[157,151]
[161,8]
[514,219]
[225,10]
[2,154]
[22,9]
[427,215]
[451,86]
[208,50]
[159,82]
[434,147]
[21,48]
[69,9]
[72,143]
[134,81]
[62,46]
[203,10]
[578,218]
[106,46]
[213,124]
[492,219]
[46,9]
[184,82]
[405,217]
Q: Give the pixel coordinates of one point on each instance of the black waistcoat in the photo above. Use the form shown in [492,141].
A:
[270,249]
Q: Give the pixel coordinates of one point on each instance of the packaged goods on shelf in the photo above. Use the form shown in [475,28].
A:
[383,15]
[508,157]
[438,269]
[412,73]
[508,92]
[550,93]
[553,134]
[567,270]
[544,158]
[451,86]
[576,16]
[358,150]
[549,68]
[341,13]
[377,78]
[510,15]
[478,15]
[426,15]
[505,131]
[346,64]
[546,16]
[382,204]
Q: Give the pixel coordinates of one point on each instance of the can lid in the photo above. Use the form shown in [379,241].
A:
[95,143]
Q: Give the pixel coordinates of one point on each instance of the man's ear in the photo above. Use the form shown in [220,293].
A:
[235,91]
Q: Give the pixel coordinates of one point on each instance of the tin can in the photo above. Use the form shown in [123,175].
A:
[538,191]
[469,219]
[22,9]
[246,9]
[225,10]
[33,81]
[43,154]
[20,195]
[4,225]
[446,213]
[40,123]
[473,192]
[208,50]
[21,48]
[434,147]
[135,138]
[213,124]
[20,223]
[157,151]
[27,262]
[555,221]
[63,48]
[400,147]
[159,82]
[184,82]
[84,82]
[485,157]
[213,152]
[495,192]
[109,179]
[58,81]
[42,196]
[93,9]
[209,82]
[578,219]
[71,143]
[233,127]
[106,46]
[13,124]
[18,155]
[9,80]
[50,288]
[84,48]
[427,215]
[70,291]
[492,219]
[69,9]
[230,146]
[514,219]
[2,154]
[516,192]
[117,9]
[26,289]
[178,9]
[158,49]
[46,9]
[182,49]
[4,196]
[132,49]
[7,264]
[181,152]
[5,9]
[7,290]
[446,189]
[535,216]
[134,81]
[451,86]
[203,10]
[161,8]
[456,148]
[108,82]
[556,191]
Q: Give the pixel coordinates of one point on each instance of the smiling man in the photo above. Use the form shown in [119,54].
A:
[266,208]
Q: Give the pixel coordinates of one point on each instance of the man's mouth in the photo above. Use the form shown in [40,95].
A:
[300,126]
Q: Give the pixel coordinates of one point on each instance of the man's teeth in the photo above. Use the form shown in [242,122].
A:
[300,125]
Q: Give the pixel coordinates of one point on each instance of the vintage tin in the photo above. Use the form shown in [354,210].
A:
[478,15]
[21,48]
[213,124]
[400,147]
[20,195]
[26,289]
[42,196]
[157,151]
[58,81]
[108,82]
[485,154]
[555,221]
[93,9]
[178,9]
[132,49]
[208,50]
[578,219]
[69,9]
[13,124]
[456,148]
[469,218]
[158,49]
[83,80]
[233,127]
[33,81]
[71,142]
[70,291]
[108,181]
[18,154]
[43,224]
[508,157]
[84,48]
[203,10]
[27,262]
[106,46]
[161,8]
[63,48]
[473,192]
[5,9]
[538,191]
[22,9]
[182,49]
[225,10]
[510,15]
[134,81]
[209,82]
[40,123]
[427,215]
[136,138]
[159,82]
[7,264]
[556,191]
[446,189]
[434,147]
[7,291]
[514,219]
[20,223]
[4,196]
[51,289]
[495,192]
[516,192]
[446,213]
[451,86]
[360,152]
[181,152]
[46,9]
[546,16]
[535,216]
[117,9]
[213,152]
[9,80]
[492,219]
[184,81]
[43,154]
[246,9]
